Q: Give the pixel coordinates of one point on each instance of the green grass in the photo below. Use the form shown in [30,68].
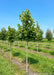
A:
[7,69]
[33,46]
[38,63]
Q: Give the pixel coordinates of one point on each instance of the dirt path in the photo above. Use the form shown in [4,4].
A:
[41,53]
[46,48]
[18,63]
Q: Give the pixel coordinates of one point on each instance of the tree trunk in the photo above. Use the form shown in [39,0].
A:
[49,45]
[3,45]
[18,44]
[26,57]
[14,43]
[37,46]
[10,57]
[10,51]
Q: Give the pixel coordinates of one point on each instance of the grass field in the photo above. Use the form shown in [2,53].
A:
[37,63]
[7,68]
[44,46]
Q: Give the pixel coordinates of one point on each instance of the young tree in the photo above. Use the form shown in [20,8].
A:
[0,36]
[18,34]
[39,34]
[26,30]
[49,35]
[3,35]
[11,37]
[15,37]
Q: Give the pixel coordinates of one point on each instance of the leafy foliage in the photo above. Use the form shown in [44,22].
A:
[38,33]
[0,36]
[26,30]
[3,34]
[11,34]
[49,35]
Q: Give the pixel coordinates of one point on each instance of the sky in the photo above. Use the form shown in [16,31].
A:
[41,10]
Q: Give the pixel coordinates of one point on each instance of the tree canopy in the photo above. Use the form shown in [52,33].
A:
[27,28]
[49,35]
[3,34]
[11,34]
[39,33]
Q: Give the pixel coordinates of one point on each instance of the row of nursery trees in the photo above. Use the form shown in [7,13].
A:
[21,34]
[27,31]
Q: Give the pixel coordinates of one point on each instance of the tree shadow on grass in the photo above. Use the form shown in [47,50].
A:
[6,50]
[52,72]
[15,45]
[1,73]
[47,47]
[31,61]
[22,46]
[29,47]
[16,54]
[52,53]
[39,50]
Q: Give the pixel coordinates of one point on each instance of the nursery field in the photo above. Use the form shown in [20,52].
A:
[41,61]
[44,46]
[7,68]
[26,37]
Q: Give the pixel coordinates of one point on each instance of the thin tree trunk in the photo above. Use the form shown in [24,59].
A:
[49,44]
[28,67]
[14,43]
[26,57]
[3,45]
[10,57]
[10,51]
[18,44]
[37,46]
